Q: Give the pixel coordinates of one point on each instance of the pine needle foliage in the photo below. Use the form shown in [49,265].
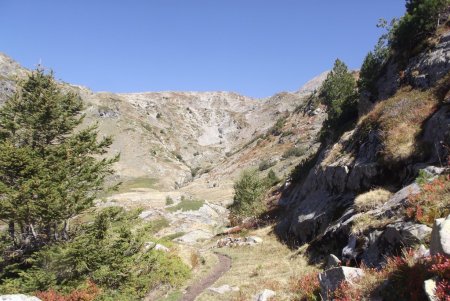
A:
[50,168]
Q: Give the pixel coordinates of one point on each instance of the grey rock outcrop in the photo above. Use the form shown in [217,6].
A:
[436,133]
[440,237]
[389,241]
[427,68]
[332,278]
[265,295]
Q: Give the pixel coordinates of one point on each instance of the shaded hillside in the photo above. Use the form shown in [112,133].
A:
[404,134]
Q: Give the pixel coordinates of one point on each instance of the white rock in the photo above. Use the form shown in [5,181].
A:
[254,239]
[430,288]
[159,247]
[224,289]
[150,245]
[440,237]
[18,298]
[264,295]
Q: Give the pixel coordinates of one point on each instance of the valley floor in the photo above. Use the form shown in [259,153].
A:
[266,265]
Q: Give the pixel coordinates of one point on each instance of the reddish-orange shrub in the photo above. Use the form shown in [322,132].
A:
[401,278]
[432,202]
[306,287]
[443,290]
[86,294]
[347,292]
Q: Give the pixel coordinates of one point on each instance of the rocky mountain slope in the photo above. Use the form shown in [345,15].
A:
[192,145]
[168,139]
[173,136]
[403,135]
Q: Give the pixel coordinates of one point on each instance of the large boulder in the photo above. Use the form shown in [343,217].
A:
[440,237]
[332,278]
[18,297]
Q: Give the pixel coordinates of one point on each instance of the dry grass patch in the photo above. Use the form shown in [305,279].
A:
[400,119]
[255,268]
[364,222]
[371,199]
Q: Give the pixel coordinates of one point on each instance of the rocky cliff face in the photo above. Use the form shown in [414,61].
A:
[320,208]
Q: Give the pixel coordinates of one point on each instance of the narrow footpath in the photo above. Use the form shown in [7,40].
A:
[196,289]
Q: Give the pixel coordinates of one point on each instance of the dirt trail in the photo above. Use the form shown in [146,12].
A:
[221,268]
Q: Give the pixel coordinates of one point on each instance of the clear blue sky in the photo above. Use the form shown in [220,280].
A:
[253,47]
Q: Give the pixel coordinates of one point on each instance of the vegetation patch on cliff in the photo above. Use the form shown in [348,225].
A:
[399,120]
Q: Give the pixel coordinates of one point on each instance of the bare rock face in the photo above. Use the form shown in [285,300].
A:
[332,278]
[436,133]
[427,68]
[391,240]
[440,237]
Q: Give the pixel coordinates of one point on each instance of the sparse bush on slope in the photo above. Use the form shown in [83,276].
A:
[419,22]
[371,70]
[399,121]
[249,192]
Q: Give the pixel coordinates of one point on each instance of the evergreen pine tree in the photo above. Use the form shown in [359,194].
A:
[338,93]
[50,170]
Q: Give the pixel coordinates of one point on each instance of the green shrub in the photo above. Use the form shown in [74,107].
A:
[265,164]
[423,177]
[169,201]
[195,170]
[371,70]
[108,252]
[276,130]
[302,169]
[294,151]
[288,133]
[249,192]
[179,157]
[272,179]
